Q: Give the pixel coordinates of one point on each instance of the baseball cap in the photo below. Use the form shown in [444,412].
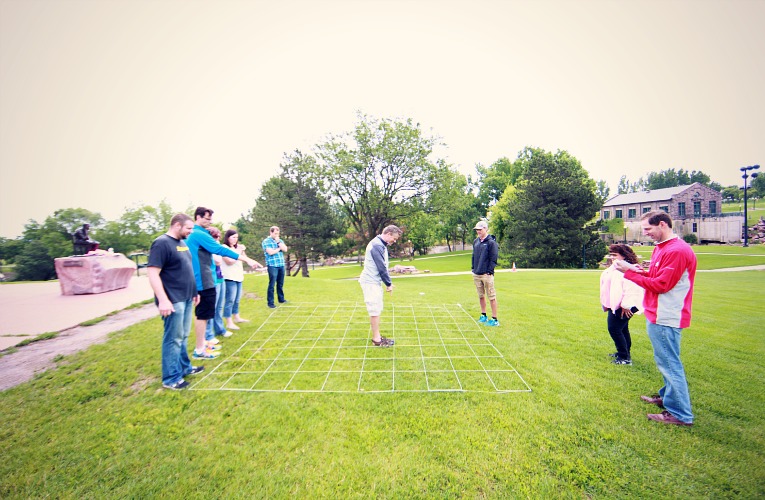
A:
[481,224]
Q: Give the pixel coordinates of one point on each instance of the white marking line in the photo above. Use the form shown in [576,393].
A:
[328,314]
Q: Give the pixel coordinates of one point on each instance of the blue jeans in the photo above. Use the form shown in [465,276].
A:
[175,355]
[275,277]
[666,351]
[217,322]
[233,296]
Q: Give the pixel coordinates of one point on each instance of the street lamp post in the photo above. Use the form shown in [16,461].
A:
[745,177]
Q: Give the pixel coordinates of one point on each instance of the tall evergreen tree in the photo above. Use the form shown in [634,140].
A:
[550,216]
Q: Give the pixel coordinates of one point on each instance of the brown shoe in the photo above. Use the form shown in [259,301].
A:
[666,417]
[383,342]
[654,400]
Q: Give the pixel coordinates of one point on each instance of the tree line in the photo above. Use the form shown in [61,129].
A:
[542,206]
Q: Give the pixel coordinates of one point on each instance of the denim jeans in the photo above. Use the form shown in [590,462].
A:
[175,355]
[233,296]
[619,329]
[666,351]
[275,277]
[216,326]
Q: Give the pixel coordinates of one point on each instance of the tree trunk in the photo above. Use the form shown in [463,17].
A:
[304,266]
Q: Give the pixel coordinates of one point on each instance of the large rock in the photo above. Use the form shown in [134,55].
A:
[85,274]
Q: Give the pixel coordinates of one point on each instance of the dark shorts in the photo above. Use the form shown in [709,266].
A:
[206,307]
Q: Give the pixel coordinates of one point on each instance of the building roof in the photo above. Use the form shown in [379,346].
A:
[645,196]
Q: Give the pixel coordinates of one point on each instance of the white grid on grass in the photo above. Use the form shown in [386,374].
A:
[328,348]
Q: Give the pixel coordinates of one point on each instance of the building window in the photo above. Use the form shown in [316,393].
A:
[665,208]
[606,214]
[631,213]
[646,210]
[695,228]
[712,207]
[681,209]
[619,213]
[697,208]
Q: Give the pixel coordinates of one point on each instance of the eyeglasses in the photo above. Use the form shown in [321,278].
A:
[207,218]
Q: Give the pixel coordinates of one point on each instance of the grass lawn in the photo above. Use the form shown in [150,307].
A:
[100,425]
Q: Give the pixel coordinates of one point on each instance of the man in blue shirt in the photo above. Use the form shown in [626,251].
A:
[201,246]
[273,250]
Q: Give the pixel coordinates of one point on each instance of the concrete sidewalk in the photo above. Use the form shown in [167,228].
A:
[29,309]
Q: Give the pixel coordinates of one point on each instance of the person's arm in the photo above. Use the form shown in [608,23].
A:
[666,278]
[163,303]
[378,256]
[493,256]
[280,247]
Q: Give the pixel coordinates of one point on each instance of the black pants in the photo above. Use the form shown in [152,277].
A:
[619,328]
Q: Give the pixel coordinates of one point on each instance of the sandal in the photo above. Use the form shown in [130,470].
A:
[384,342]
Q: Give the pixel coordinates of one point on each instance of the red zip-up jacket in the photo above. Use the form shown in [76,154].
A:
[668,284]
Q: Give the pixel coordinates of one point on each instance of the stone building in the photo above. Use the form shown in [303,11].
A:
[695,209]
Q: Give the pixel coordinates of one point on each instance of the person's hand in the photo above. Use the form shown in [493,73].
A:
[389,289]
[165,308]
[623,265]
[626,313]
[197,298]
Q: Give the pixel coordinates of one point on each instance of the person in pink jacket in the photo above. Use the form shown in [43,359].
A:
[668,288]
[621,299]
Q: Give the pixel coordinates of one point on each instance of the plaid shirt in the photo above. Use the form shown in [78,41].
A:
[275,260]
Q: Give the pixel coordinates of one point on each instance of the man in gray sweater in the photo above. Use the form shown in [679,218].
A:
[374,274]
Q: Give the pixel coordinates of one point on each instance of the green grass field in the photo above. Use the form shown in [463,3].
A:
[100,425]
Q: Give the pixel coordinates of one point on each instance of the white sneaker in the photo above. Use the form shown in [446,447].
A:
[227,334]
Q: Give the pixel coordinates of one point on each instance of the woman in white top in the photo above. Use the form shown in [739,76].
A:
[233,273]
[621,298]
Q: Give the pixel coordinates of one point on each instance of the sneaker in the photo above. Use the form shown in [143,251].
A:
[227,334]
[666,417]
[195,370]
[654,400]
[211,347]
[181,384]
[613,355]
[208,354]
[483,319]
[492,322]
[283,301]
[621,361]
[271,306]
[384,342]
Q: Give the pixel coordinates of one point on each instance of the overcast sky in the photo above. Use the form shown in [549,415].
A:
[108,104]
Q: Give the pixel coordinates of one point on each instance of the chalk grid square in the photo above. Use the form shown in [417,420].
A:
[327,348]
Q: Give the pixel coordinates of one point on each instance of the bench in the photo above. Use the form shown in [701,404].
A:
[139,265]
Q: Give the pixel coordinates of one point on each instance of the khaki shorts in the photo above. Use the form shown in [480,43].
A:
[484,284]
[373,298]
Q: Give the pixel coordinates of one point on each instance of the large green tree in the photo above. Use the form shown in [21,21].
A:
[494,179]
[291,201]
[549,216]
[136,228]
[380,173]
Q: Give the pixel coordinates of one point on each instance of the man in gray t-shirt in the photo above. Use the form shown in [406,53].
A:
[374,274]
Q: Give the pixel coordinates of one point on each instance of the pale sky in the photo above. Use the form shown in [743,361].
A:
[108,104]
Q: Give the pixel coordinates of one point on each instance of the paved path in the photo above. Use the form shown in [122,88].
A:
[29,309]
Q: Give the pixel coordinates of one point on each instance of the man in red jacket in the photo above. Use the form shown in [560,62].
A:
[668,288]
